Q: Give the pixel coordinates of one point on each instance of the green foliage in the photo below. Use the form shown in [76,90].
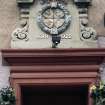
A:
[98,94]
[7,96]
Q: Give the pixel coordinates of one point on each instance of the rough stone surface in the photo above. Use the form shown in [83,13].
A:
[96,16]
[9,17]
[102,71]
[101,41]
[4,75]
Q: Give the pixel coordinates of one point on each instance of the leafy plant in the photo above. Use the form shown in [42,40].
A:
[98,94]
[7,96]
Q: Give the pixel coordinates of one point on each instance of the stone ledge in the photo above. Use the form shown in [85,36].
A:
[25,1]
[53,56]
[82,3]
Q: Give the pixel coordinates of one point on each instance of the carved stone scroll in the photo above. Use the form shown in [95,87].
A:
[21,33]
[87,33]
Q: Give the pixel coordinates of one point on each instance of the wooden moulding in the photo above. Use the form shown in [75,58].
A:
[38,67]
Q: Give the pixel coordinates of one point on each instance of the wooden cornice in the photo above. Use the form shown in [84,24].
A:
[29,57]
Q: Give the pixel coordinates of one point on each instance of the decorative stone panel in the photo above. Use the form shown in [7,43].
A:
[77,35]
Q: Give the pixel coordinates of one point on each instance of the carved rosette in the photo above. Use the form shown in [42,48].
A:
[56,23]
[88,33]
[21,33]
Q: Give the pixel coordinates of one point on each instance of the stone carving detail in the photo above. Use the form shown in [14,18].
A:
[83,3]
[24,7]
[21,33]
[87,33]
[24,13]
[48,1]
[54,18]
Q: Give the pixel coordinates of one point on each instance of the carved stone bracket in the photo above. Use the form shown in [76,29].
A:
[87,33]
[21,33]
[24,6]
[82,3]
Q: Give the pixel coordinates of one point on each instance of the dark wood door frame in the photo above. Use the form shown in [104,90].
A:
[53,67]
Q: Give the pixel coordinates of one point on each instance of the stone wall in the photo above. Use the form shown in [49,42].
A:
[9,17]
[96,16]
[4,75]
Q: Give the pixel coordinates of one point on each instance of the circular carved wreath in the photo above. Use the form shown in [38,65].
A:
[54,19]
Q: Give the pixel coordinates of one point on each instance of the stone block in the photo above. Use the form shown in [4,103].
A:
[82,3]
[25,1]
